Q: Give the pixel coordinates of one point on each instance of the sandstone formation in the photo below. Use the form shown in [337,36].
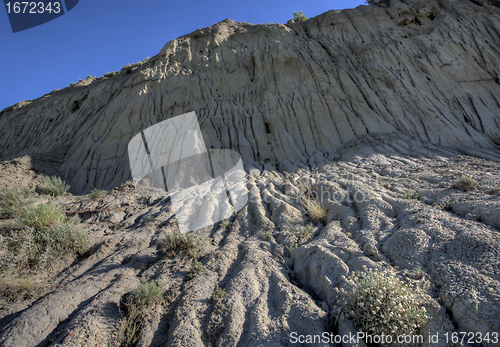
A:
[283,93]
[378,110]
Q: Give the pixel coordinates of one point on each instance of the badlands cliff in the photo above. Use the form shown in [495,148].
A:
[283,94]
[382,108]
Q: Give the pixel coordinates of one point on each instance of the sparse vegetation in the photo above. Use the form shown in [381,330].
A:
[170,296]
[445,206]
[298,17]
[226,224]
[14,289]
[174,243]
[96,194]
[128,68]
[411,194]
[149,218]
[32,248]
[291,247]
[41,216]
[196,267]
[379,303]
[268,236]
[466,184]
[14,200]
[376,2]
[54,186]
[146,295]
[385,184]
[46,234]
[302,233]
[218,294]
[140,301]
[112,73]
[315,210]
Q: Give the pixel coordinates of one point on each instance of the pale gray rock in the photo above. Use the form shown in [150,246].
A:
[278,93]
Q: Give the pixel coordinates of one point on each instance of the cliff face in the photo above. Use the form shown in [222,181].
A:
[279,93]
[370,110]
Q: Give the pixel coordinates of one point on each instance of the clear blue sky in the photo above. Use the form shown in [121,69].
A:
[101,36]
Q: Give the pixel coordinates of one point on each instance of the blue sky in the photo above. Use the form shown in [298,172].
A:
[101,36]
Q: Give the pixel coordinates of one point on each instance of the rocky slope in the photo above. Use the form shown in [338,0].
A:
[272,290]
[279,93]
[378,110]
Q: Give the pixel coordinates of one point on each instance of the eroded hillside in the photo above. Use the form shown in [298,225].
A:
[390,203]
[282,93]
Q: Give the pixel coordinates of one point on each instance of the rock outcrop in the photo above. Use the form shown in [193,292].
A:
[379,112]
[283,93]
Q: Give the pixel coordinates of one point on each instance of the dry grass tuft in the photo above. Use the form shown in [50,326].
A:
[54,186]
[466,184]
[174,243]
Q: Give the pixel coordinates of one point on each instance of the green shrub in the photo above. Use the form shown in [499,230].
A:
[292,246]
[218,294]
[466,184]
[129,67]
[14,200]
[196,267]
[174,243]
[146,294]
[54,186]
[302,233]
[226,224]
[112,73]
[298,17]
[96,194]
[140,300]
[32,248]
[62,239]
[268,236]
[379,303]
[41,216]
[385,184]
[411,194]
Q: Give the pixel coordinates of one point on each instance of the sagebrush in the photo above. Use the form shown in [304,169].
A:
[140,300]
[379,303]
[302,233]
[412,194]
[31,248]
[174,243]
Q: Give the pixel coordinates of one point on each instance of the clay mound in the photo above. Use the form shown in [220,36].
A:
[427,69]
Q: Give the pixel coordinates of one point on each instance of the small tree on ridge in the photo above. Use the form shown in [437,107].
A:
[297,18]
